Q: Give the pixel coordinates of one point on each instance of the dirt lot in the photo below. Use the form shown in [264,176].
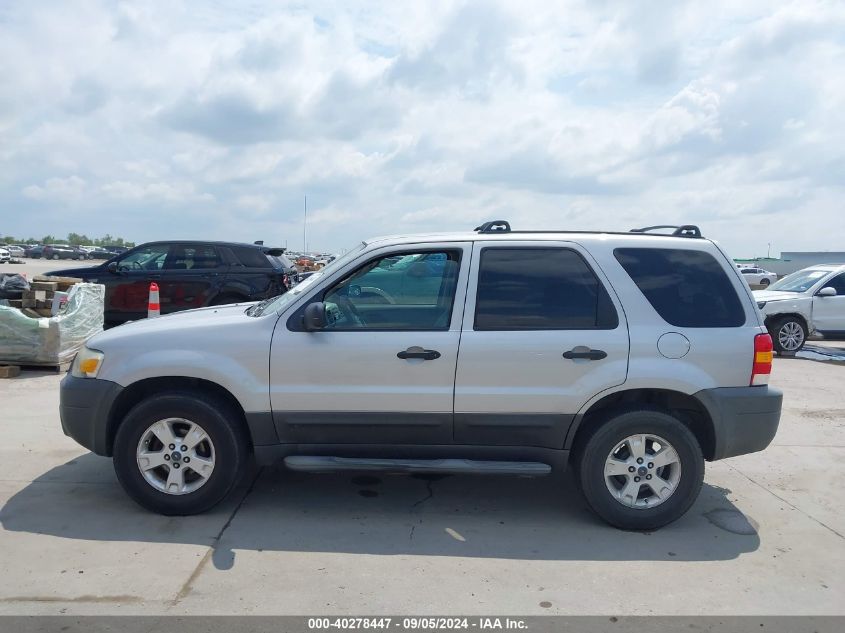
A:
[765,537]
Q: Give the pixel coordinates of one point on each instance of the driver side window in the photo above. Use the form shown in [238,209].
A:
[148,258]
[400,291]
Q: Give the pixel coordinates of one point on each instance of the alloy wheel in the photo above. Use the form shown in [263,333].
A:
[175,456]
[791,336]
[642,471]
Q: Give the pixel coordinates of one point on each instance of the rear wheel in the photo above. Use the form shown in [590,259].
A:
[180,453]
[764,282]
[640,469]
[788,334]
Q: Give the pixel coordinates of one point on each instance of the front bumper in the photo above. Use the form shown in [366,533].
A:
[84,407]
[745,419]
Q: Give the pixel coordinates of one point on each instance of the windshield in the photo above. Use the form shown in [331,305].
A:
[275,304]
[801,281]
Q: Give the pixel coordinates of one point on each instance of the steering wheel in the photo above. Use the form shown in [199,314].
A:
[349,310]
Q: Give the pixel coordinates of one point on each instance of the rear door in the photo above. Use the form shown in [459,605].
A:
[829,312]
[541,336]
[190,277]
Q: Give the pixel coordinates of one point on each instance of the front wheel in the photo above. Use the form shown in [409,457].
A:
[764,282]
[788,334]
[640,469]
[55,257]
[180,453]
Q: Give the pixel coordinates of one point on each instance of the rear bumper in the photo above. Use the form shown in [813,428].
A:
[745,419]
[84,407]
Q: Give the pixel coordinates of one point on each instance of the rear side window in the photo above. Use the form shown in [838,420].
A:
[540,289]
[686,288]
[252,258]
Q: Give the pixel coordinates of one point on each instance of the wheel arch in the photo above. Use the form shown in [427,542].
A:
[687,408]
[770,319]
[143,389]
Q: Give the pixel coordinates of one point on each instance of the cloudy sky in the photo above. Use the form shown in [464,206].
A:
[156,120]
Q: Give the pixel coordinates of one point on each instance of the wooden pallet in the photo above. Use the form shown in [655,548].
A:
[28,365]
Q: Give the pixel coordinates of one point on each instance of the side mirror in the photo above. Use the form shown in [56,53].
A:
[315,317]
[112,268]
[827,291]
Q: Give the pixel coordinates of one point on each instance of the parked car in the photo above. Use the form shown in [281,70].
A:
[62,251]
[34,251]
[5,255]
[98,252]
[809,301]
[14,250]
[635,357]
[758,276]
[189,275]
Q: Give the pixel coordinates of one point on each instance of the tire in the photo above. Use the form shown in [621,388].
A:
[789,333]
[55,257]
[593,453]
[222,428]
[221,300]
[764,282]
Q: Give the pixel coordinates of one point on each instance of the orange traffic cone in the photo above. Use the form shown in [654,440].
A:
[153,307]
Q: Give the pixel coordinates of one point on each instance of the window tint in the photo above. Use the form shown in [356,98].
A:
[252,258]
[686,288]
[145,258]
[190,257]
[838,283]
[381,295]
[540,289]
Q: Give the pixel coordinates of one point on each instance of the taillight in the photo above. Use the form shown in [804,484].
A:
[762,360]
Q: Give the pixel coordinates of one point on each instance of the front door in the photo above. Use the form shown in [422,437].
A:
[541,336]
[829,312]
[128,288]
[383,370]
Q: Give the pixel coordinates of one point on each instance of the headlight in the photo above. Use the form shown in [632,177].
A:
[761,304]
[87,363]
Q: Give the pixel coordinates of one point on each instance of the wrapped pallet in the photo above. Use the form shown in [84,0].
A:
[52,340]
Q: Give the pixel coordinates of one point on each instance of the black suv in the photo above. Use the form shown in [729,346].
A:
[189,275]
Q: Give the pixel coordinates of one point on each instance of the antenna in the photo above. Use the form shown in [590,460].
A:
[305,227]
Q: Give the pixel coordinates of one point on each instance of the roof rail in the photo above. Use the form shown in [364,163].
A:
[496,226]
[684,230]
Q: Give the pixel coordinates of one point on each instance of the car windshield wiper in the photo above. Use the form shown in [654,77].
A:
[258,308]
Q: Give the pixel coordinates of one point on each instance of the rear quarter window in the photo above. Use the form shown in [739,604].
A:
[252,258]
[687,288]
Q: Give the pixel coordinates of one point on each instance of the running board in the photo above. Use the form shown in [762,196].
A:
[454,466]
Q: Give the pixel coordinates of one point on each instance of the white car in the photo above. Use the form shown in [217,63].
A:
[805,302]
[5,255]
[758,276]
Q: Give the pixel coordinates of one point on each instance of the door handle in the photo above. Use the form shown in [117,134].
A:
[418,352]
[592,354]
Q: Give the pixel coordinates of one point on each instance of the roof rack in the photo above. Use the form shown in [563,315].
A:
[496,226]
[684,230]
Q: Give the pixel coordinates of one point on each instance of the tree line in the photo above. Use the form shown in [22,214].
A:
[74,239]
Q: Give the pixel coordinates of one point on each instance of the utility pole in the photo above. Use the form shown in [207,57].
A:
[305,227]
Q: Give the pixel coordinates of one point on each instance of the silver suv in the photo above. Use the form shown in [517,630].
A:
[633,356]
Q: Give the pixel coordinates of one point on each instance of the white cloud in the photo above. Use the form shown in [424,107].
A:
[212,121]
[67,189]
